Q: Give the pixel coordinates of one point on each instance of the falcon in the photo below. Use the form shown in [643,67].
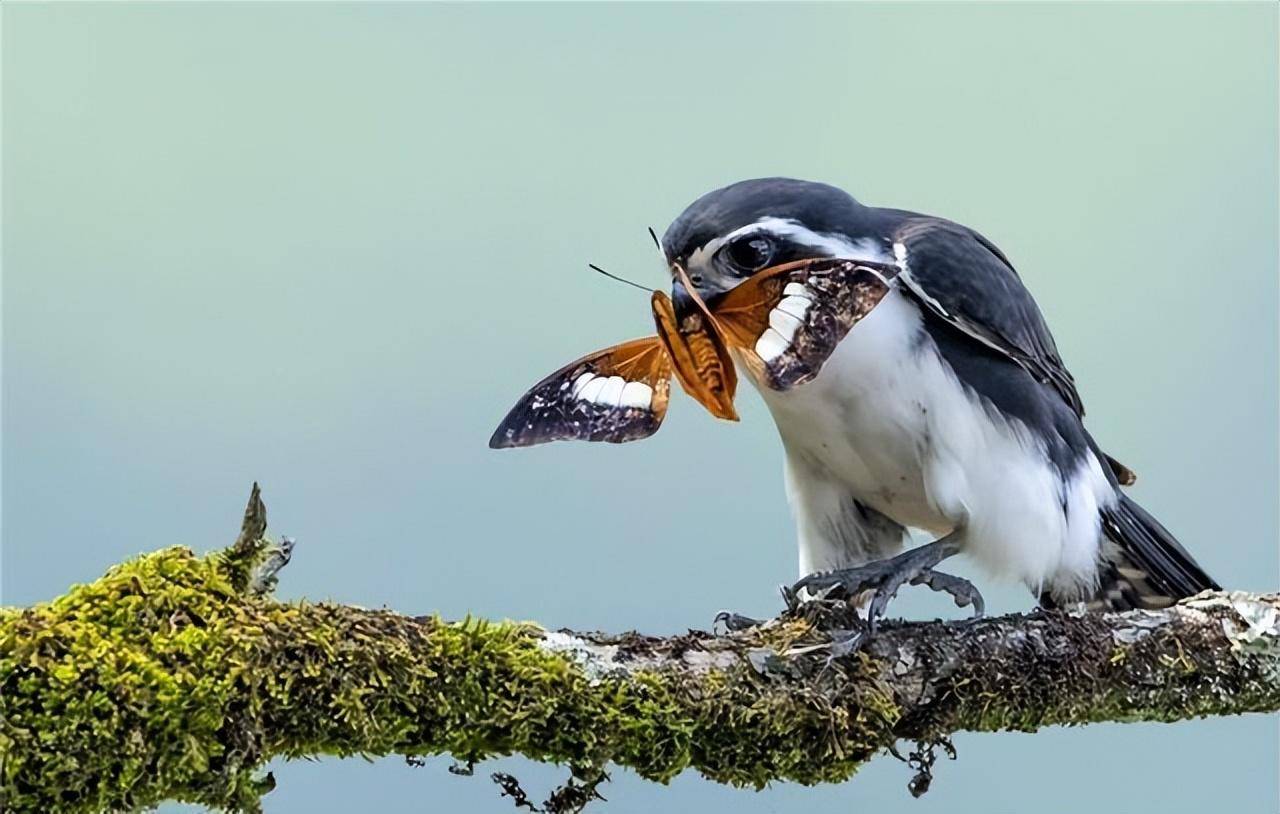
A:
[945,408]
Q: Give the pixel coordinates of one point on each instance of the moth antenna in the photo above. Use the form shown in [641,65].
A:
[594,267]
[654,235]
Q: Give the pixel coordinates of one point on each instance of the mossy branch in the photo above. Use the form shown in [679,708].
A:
[176,676]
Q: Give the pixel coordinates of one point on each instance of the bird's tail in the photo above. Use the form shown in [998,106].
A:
[1143,565]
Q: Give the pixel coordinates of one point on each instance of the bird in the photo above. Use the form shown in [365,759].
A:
[947,409]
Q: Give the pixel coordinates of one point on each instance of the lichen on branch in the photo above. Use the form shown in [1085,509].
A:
[176,677]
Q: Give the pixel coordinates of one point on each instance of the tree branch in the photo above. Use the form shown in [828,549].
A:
[176,677]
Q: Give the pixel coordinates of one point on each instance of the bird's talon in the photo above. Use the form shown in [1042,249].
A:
[885,577]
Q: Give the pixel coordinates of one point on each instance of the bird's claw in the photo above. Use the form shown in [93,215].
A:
[962,591]
[884,578]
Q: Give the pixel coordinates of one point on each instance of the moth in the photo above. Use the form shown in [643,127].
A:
[782,323]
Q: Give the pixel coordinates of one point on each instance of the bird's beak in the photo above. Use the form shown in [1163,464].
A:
[685,298]
[682,301]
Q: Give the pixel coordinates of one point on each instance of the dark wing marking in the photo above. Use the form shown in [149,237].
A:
[787,320]
[968,282]
[601,397]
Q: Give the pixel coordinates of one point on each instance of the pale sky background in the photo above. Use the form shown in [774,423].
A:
[326,246]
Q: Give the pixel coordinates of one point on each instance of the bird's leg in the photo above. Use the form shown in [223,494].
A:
[885,577]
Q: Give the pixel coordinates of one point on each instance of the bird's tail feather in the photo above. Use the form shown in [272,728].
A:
[1143,565]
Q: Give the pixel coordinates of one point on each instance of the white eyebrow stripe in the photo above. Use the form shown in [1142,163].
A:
[835,245]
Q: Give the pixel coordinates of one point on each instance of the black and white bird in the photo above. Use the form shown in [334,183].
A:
[946,409]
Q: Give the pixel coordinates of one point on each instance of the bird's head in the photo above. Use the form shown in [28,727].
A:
[728,235]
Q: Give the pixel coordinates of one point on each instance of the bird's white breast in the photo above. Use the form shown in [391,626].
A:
[887,418]
[864,418]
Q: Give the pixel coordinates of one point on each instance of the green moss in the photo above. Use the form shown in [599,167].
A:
[111,686]
[171,677]
[165,679]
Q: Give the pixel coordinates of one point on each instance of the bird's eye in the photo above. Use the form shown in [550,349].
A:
[750,253]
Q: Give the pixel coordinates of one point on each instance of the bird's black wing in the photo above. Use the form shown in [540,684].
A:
[967,281]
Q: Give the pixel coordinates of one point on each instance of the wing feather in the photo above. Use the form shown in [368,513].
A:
[968,282]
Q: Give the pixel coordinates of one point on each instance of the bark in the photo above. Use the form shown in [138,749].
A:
[175,676]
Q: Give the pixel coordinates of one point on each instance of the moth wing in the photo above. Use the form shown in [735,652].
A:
[616,395]
[787,320]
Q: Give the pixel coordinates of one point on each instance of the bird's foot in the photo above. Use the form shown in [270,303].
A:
[885,577]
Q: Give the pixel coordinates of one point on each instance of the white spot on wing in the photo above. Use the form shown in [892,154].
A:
[771,345]
[611,392]
[795,306]
[797,290]
[784,323]
[581,382]
[591,391]
[636,394]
